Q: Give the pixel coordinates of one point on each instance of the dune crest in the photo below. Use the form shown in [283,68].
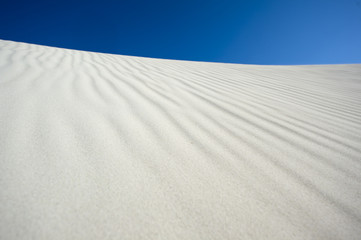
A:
[101,146]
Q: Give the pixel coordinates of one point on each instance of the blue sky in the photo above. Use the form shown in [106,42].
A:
[243,31]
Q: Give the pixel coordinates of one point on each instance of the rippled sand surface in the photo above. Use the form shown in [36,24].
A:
[101,146]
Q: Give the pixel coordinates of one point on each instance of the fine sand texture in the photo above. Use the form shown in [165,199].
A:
[102,146]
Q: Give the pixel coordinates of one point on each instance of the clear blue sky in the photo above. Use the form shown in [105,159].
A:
[237,31]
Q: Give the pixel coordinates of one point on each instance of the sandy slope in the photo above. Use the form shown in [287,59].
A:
[99,146]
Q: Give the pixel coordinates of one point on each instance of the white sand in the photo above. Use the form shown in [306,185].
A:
[100,146]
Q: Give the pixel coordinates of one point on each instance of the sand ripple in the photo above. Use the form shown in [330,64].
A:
[101,146]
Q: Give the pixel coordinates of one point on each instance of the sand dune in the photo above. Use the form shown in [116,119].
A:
[101,146]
